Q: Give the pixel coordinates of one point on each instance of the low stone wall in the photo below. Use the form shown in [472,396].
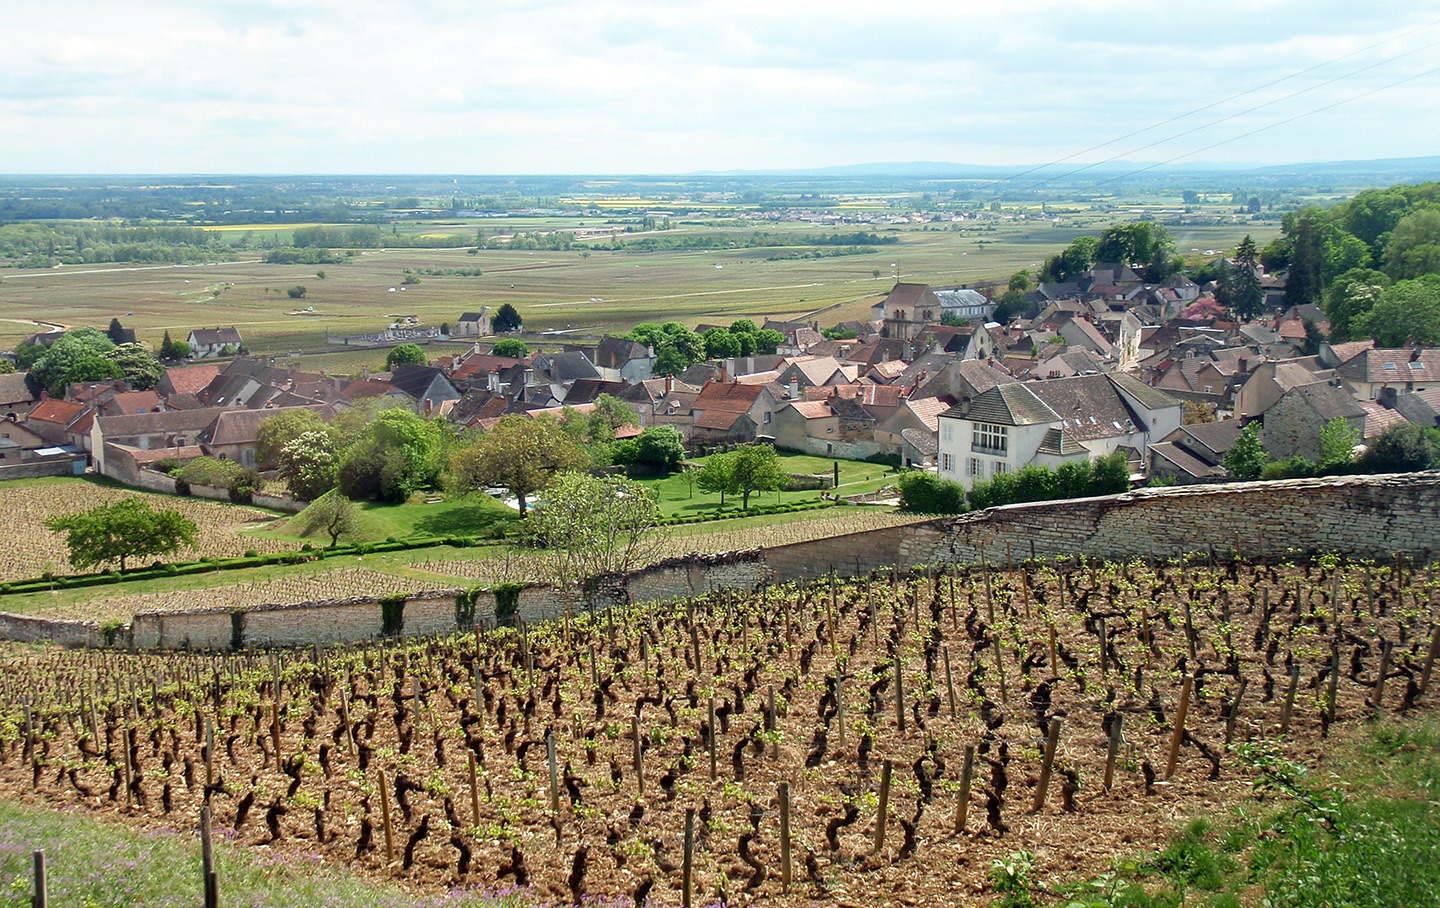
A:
[27,629]
[1365,516]
[1368,516]
[63,466]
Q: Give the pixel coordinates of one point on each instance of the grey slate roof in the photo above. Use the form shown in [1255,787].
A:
[1059,442]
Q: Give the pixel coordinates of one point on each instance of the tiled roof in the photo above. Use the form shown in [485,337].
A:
[1148,397]
[1393,365]
[59,412]
[1184,460]
[1328,401]
[13,389]
[812,409]
[1378,418]
[1058,442]
[191,379]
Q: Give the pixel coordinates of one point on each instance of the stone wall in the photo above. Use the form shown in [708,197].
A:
[27,629]
[1372,516]
[34,469]
[1366,516]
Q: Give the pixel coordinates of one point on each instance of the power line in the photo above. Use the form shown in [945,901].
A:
[1246,135]
[1225,119]
[1202,109]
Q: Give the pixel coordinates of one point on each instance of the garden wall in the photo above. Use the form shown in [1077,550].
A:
[62,466]
[1365,516]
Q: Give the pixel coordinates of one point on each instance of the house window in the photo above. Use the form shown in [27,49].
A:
[1001,467]
[767,417]
[990,439]
[947,431]
[974,466]
[947,463]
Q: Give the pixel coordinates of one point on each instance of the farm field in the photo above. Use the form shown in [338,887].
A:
[34,550]
[1099,700]
[379,574]
[586,292]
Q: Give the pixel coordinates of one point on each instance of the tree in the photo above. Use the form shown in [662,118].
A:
[309,464]
[1246,458]
[670,361]
[520,453]
[116,332]
[6,367]
[332,513]
[658,449]
[756,468]
[1337,443]
[1414,247]
[1408,311]
[122,530]
[405,355]
[275,432]
[139,367]
[1240,288]
[1402,448]
[721,344]
[505,319]
[1349,298]
[716,475]
[296,293]
[512,347]
[172,349]
[588,526]
[1303,284]
[78,356]
[925,493]
[398,454]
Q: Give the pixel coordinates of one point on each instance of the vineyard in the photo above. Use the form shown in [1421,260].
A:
[880,740]
[36,551]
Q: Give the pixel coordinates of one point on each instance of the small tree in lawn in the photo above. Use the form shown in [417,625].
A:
[520,453]
[756,469]
[717,475]
[590,525]
[334,514]
[1246,458]
[122,530]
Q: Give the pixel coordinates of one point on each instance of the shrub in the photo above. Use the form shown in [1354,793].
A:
[926,493]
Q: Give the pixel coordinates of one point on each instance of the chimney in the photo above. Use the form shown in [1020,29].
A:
[1241,364]
[669,383]
[964,405]
[793,389]
[1387,397]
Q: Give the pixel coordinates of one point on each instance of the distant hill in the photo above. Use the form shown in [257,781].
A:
[1398,168]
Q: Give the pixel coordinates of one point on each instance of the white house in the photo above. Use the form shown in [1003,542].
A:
[205,342]
[1047,423]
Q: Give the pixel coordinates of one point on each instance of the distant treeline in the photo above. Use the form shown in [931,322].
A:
[368,236]
[42,245]
[759,239]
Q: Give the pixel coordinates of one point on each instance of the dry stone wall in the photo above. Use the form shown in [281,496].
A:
[1373,516]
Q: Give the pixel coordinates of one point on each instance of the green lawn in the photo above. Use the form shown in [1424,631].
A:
[464,515]
[96,864]
[678,497]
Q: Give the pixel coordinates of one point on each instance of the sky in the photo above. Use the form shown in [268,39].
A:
[675,86]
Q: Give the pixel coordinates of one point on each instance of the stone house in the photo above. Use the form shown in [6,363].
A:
[1404,369]
[1293,424]
[15,396]
[472,324]
[1050,422]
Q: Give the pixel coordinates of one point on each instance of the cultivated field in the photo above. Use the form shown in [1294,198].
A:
[584,291]
[32,550]
[904,731]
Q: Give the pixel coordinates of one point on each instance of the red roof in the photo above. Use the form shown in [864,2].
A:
[59,412]
[128,403]
[191,379]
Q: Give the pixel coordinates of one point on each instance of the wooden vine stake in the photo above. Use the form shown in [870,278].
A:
[1288,709]
[899,694]
[385,819]
[1430,660]
[1179,733]
[950,683]
[637,756]
[840,706]
[884,809]
[1234,713]
[41,896]
[687,873]
[474,787]
[1332,688]
[1047,763]
[208,878]
[711,738]
[554,774]
[1113,749]
[1377,699]
[785,865]
[967,776]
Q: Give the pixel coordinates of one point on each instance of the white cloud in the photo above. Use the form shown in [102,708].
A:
[645,85]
